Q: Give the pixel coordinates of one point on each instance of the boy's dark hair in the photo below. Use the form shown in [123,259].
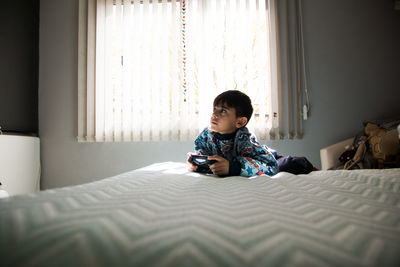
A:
[238,100]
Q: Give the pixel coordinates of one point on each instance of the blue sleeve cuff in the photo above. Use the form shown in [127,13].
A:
[234,168]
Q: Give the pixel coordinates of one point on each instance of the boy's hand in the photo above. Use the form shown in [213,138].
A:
[191,166]
[221,167]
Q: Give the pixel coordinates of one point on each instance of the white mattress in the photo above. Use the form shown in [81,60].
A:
[163,215]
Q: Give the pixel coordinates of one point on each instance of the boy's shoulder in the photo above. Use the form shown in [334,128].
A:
[244,131]
[245,138]
[243,134]
[206,131]
[205,134]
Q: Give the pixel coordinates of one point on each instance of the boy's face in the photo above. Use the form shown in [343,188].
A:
[224,120]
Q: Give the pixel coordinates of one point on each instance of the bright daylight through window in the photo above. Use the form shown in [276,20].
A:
[154,67]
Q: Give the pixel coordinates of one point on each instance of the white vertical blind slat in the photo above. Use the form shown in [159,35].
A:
[156,72]
[190,75]
[100,69]
[91,59]
[82,68]
[174,43]
[166,81]
[146,70]
[275,73]
[117,68]
[199,40]
[107,111]
[127,70]
[136,73]
[181,70]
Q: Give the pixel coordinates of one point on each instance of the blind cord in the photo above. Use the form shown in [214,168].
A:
[306,109]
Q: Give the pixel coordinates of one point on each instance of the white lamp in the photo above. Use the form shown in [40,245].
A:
[19,164]
[3,193]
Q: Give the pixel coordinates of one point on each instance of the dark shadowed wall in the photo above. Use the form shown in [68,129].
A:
[19,65]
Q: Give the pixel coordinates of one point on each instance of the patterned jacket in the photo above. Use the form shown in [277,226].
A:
[241,150]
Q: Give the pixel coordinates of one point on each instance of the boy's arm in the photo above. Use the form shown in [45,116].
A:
[201,144]
[256,159]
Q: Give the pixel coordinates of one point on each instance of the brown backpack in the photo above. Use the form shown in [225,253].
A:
[383,144]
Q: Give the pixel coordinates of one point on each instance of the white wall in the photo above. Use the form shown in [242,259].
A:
[353,55]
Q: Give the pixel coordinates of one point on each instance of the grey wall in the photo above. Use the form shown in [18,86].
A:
[353,55]
[19,65]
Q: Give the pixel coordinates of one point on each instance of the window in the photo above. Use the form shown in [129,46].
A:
[153,68]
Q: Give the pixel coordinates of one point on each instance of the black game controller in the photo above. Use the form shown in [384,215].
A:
[202,163]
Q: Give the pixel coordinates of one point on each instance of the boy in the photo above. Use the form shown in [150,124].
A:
[228,141]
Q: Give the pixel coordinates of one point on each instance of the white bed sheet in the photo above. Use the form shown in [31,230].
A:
[163,215]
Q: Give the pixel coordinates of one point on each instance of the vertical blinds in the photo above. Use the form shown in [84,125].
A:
[149,70]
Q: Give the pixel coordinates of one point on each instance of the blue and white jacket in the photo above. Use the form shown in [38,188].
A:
[246,156]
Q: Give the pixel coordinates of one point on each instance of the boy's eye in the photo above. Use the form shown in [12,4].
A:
[220,110]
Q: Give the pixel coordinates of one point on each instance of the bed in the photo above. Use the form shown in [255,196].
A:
[163,215]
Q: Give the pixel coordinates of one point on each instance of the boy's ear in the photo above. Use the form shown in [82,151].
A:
[240,122]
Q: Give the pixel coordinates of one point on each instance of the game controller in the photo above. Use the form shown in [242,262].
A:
[202,163]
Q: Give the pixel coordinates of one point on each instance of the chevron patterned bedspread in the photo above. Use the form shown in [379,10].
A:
[162,215]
